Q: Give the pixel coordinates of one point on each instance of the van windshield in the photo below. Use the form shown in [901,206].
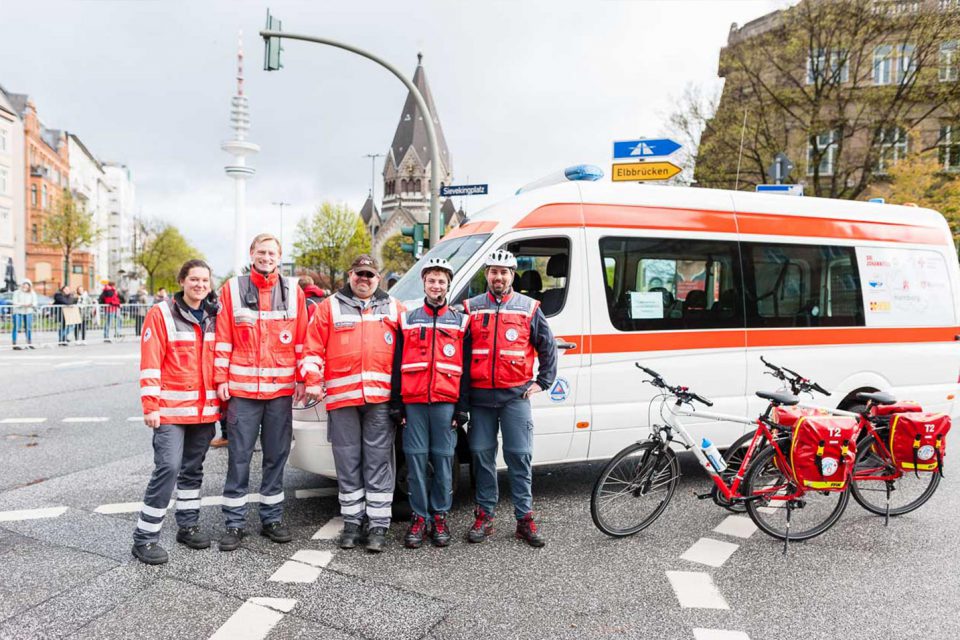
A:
[456,250]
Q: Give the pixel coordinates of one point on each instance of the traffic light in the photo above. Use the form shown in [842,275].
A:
[272,47]
[413,246]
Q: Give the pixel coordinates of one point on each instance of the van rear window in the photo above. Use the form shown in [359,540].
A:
[668,284]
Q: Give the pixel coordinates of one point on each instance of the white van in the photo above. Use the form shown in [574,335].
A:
[698,284]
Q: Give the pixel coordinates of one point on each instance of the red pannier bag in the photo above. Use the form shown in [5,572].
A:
[823,451]
[903,406]
[918,441]
[788,416]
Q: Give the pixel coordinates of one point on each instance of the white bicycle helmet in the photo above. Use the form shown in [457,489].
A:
[437,263]
[501,258]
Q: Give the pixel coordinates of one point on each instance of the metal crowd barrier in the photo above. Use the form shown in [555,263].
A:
[50,325]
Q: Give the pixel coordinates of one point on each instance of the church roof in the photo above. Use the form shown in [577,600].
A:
[369,210]
[447,211]
[411,131]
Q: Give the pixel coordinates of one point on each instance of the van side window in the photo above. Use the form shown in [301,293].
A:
[543,272]
[801,286]
[655,284]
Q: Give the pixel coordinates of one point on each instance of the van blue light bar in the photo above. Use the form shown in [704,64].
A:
[577,172]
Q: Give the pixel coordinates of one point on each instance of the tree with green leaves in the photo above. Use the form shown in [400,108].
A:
[395,258]
[69,227]
[329,239]
[835,85]
[161,253]
[917,179]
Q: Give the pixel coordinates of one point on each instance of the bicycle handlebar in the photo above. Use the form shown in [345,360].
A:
[683,394]
[797,382]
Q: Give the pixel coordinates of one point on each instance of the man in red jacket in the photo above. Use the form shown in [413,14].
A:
[259,349]
[430,393]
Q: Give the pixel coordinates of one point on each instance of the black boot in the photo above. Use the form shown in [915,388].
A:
[350,535]
[192,537]
[277,532]
[150,553]
[231,539]
[376,539]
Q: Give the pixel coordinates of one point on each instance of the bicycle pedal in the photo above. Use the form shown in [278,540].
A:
[703,496]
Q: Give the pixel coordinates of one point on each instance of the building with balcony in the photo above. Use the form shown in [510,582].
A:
[12,190]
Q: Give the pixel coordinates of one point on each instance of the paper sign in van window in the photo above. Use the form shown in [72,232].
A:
[905,287]
[646,305]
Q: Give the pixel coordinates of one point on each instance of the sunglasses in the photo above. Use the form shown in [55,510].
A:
[365,274]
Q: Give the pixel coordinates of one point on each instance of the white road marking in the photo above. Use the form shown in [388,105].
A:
[322,492]
[135,419]
[84,419]
[330,530]
[291,571]
[313,557]
[32,514]
[126,507]
[710,552]
[696,590]
[254,619]
[767,510]
[736,526]
[719,634]
[72,363]
[22,420]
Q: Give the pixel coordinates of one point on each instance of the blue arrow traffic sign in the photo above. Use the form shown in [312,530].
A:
[463,190]
[645,148]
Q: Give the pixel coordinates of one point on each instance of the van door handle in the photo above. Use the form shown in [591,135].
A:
[564,345]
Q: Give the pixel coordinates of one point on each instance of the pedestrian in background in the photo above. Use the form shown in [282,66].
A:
[141,299]
[508,331]
[312,293]
[350,347]
[24,306]
[430,398]
[259,347]
[63,298]
[180,404]
[160,296]
[110,303]
[84,301]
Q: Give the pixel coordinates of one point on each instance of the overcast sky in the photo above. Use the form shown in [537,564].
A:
[522,89]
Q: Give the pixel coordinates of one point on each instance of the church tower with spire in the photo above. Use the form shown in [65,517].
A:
[406,170]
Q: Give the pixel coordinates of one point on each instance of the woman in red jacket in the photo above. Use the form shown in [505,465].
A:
[180,404]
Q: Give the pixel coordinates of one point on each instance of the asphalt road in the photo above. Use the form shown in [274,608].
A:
[75,462]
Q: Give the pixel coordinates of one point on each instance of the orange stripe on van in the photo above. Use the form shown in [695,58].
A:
[627,217]
[471,228]
[738,338]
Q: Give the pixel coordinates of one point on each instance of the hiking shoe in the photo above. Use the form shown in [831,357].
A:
[376,539]
[414,537]
[439,531]
[482,526]
[218,442]
[350,535]
[150,553]
[191,537]
[528,532]
[231,539]
[277,532]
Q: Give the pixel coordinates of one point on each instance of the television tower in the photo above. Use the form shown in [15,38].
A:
[240,148]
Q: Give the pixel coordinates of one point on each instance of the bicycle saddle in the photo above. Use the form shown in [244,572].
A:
[877,397]
[785,399]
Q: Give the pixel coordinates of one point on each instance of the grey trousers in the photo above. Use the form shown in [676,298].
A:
[362,439]
[178,453]
[272,422]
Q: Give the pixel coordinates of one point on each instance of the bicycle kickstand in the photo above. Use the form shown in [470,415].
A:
[886,515]
[786,538]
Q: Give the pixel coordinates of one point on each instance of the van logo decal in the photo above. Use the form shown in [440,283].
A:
[560,390]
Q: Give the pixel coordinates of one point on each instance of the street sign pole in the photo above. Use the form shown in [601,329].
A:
[267,34]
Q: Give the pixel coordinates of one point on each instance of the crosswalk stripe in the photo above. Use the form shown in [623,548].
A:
[254,619]
[22,420]
[330,530]
[696,590]
[291,571]
[85,419]
[710,552]
[736,526]
[313,557]
[32,514]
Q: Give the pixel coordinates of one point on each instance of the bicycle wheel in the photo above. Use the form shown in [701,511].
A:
[733,456]
[907,492]
[813,513]
[634,488]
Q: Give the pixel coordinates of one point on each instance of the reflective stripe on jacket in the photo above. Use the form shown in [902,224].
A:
[432,358]
[350,349]
[176,366]
[502,353]
[260,336]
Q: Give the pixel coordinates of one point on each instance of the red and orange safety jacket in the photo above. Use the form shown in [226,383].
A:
[176,365]
[350,349]
[430,359]
[260,335]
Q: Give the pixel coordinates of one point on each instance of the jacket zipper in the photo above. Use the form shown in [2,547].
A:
[493,355]
[433,360]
